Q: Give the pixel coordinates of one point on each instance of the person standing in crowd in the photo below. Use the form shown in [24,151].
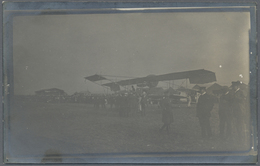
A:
[167,115]
[143,101]
[96,102]
[204,106]
[189,100]
[197,95]
[225,114]
[111,101]
[102,102]
[237,104]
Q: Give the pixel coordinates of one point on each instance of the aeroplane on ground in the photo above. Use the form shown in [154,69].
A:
[200,76]
[150,82]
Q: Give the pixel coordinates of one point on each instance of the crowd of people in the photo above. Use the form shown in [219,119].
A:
[232,103]
[123,103]
[232,111]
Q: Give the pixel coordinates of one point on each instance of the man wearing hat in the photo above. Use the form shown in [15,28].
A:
[225,113]
[204,107]
[237,104]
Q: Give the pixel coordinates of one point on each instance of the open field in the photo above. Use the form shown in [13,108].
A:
[73,129]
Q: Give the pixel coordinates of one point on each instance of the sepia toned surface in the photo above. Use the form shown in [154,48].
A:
[66,48]
[58,116]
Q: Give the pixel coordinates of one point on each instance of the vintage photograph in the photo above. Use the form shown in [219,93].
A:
[129,82]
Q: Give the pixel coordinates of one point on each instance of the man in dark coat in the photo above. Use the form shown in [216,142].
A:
[237,105]
[167,115]
[204,107]
[225,113]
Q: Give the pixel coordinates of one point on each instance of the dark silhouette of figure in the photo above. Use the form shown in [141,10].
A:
[204,107]
[96,102]
[237,106]
[167,115]
[102,102]
[225,114]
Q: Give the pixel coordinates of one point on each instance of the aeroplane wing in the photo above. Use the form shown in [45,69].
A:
[95,77]
[195,77]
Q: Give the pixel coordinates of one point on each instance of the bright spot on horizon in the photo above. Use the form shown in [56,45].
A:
[220,66]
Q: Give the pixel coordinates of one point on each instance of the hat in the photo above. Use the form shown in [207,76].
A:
[236,83]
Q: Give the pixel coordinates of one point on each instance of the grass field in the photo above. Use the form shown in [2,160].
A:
[73,129]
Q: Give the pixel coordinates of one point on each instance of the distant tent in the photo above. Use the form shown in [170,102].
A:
[214,87]
[51,92]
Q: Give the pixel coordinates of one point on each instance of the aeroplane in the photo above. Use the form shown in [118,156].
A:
[200,76]
[149,83]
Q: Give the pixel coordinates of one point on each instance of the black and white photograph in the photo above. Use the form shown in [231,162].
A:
[129,83]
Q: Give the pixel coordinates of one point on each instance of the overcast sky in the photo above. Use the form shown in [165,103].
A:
[58,51]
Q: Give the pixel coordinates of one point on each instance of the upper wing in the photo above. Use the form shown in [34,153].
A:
[195,77]
[95,77]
